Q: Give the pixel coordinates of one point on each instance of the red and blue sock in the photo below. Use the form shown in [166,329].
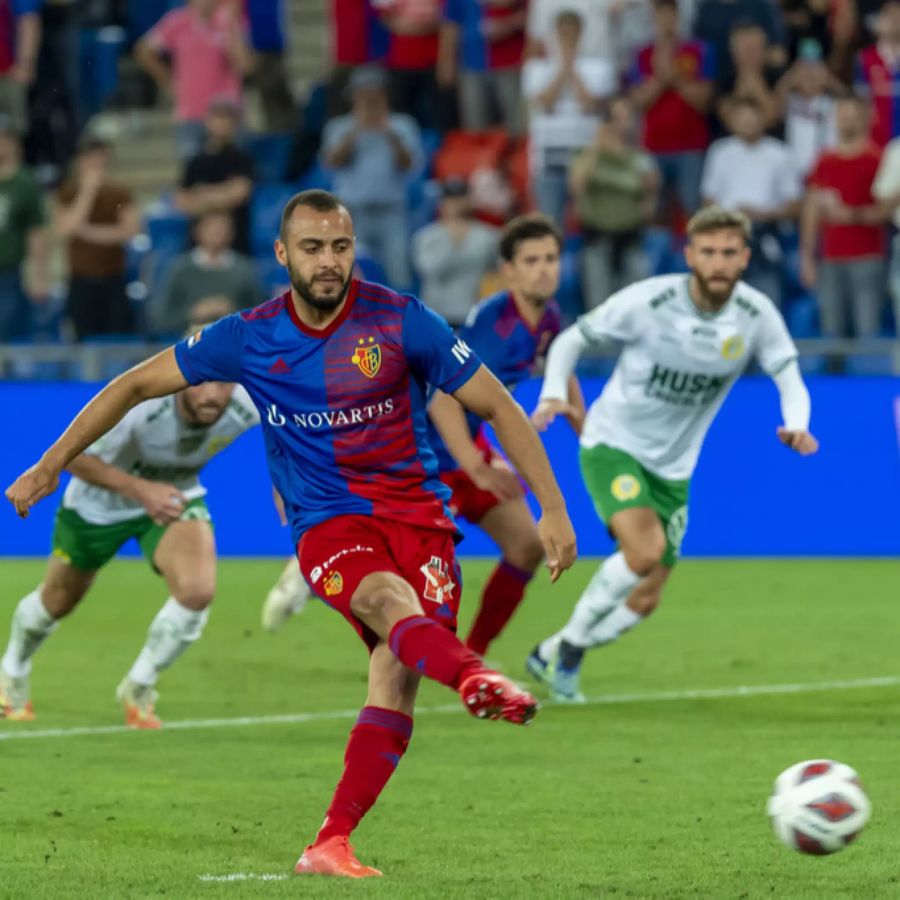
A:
[501,597]
[427,647]
[377,743]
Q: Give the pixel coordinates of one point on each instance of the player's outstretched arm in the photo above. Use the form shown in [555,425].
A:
[795,410]
[487,398]
[156,377]
[557,398]
[450,420]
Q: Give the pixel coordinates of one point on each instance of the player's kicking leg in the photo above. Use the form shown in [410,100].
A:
[512,527]
[377,743]
[288,597]
[186,557]
[34,619]
[624,590]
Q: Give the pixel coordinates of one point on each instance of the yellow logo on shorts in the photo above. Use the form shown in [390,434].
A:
[625,487]
[733,347]
[368,357]
[333,584]
[59,553]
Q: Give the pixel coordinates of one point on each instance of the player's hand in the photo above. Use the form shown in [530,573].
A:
[32,485]
[801,441]
[548,410]
[558,538]
[164,503]
[500,481]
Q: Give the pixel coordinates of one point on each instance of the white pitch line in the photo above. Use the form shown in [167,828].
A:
[750,690]
[246,876]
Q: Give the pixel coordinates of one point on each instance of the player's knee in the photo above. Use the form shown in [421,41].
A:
[192,592]
[60,599]
[525,555]
[644,557]
[384,596]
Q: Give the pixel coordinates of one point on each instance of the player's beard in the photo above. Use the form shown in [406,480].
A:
[305,290]
[203,415]
[716,292]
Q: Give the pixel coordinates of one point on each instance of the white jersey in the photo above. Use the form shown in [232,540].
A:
[153,441]
[676,367]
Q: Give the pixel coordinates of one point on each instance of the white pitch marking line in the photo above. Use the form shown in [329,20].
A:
[750,690]
[245,876]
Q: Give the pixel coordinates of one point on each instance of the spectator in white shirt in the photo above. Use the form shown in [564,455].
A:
[453,255]
[757,175]
[564,95]
[806,98]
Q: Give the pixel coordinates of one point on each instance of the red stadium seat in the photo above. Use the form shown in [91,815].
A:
[463,152]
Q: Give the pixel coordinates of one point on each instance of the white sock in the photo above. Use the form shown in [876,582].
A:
[173,630]
[609,588]
[620,620]
[31,624]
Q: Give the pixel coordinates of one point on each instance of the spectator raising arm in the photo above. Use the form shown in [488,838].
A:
[150,60]
[28,45]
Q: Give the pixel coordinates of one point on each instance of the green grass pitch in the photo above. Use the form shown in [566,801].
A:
[656,798]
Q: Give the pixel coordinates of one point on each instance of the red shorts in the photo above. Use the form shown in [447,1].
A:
[469,500]
[336,555]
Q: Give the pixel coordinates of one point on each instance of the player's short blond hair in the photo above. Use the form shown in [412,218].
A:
[714,218]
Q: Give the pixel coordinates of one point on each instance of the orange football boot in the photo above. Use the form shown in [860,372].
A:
[137,701]
[333,857]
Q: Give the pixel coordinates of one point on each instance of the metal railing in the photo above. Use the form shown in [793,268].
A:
[101,361]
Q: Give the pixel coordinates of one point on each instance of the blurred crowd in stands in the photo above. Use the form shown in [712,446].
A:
[435,121]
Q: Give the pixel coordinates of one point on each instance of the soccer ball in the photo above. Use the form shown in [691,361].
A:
[818,806]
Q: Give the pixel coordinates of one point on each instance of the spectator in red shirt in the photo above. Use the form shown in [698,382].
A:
[482,45]
[358,38]
[672,82]
[877,73]
[842,230]
[411,57]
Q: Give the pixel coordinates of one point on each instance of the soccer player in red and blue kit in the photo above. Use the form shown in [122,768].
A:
[339,371]
[510,332]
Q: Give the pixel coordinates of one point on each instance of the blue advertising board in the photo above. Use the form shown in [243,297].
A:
[750,495]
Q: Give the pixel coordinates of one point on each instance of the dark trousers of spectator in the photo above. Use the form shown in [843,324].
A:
[416,93]
[15,308]
[278,108]
[610,261]
[488,99]
[681,174]
[766,269]
[99,306]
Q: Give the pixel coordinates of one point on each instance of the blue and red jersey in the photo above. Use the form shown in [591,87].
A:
[477,52]
[343,409]
[358,35]
[880,79]
[507,345]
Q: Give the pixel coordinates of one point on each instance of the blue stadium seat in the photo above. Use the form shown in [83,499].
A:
[371,269]
[423,198]
[431,143]
[570,292]
[802,316]
[270,155]
[266,206]
[314,177]
[272,275]
[167,227]
[859,364]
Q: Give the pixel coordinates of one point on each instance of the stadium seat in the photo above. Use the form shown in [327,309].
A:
[272,275]
[315,177]
[463,152]
[569,295]
[431,143]
[167,227]
[265,215]
[865,364]
[369,267]
[802,316]
[423,198]
[270,155]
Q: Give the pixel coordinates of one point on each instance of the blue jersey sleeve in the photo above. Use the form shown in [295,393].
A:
[214,353]
[434,352]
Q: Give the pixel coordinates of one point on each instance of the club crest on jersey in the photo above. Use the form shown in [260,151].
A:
[368,357]
[733,347]
[625,487]
[438,583]
[195,338]
[333,584]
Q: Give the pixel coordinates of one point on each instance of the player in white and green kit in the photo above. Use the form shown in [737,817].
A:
[138,481]
[684,339]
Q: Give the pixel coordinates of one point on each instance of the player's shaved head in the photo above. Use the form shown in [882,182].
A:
[317,247]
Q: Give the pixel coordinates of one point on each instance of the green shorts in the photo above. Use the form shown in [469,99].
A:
[616,480]
[89,547]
